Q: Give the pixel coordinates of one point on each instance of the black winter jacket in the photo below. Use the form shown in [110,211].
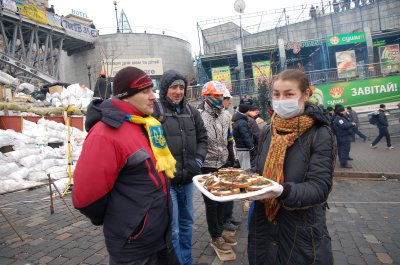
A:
[382,120]
[241,132]
[184,131]
[100,89]
[298,235]
[343,126]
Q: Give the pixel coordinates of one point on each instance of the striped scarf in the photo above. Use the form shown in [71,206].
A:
[165,161]
[284,134]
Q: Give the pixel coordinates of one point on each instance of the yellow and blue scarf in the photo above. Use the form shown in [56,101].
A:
[165,161]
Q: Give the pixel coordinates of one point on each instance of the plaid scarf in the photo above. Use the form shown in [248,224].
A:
[284,134]
[165,161]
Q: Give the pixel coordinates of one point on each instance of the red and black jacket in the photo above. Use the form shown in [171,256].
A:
[116,183]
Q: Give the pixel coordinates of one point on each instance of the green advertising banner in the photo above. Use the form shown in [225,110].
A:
[223,75]
[261,70]
[342,39]
[358,93]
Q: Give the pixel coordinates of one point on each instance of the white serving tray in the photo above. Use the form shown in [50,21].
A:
[234,197]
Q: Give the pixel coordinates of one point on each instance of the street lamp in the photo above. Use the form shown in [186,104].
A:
[239,7]
[89,75]
[116,15]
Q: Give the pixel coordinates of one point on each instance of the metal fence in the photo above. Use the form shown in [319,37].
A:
[249,87]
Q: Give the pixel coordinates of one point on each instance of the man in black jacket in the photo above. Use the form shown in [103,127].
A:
[101,90]
[383,128]
[343,129]
[243,136]
[187,139]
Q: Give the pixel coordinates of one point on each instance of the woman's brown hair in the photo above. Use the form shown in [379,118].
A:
[296,76]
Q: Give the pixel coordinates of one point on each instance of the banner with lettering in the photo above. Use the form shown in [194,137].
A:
[364,94]
[223,75]
[79,31]
[151,66]
[32,12]
[261,70]
[54,20]
[390,58]
[343,39]
[346,64]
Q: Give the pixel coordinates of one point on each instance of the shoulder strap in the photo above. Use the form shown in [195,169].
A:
[159,113]
[190,112]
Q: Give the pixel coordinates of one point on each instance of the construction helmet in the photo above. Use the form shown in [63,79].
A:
[213,88]
[102,73]
[227,94]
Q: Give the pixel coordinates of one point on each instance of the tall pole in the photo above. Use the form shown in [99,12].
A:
[379,15]
[116,15]
[241,33]
[287,24]
[89,76]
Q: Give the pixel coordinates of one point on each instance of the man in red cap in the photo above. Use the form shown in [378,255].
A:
[101,89]
[121,180]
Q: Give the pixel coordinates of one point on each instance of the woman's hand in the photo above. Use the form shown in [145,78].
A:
[276,191]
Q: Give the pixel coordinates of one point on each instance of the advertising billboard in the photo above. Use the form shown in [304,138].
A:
[261,70]
[346,64]
[223,75]
[364,94]
[389,58]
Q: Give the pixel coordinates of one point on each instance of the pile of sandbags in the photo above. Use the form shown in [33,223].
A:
[32,158]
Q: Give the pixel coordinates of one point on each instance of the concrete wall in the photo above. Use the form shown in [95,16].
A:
[175,54]
[330,24]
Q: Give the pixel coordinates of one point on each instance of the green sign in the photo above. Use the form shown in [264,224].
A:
[378,43]
[343,39]
[360,92]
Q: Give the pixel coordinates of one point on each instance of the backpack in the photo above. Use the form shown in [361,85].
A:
[374,118]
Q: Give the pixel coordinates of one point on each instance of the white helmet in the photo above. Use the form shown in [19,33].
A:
[227,94]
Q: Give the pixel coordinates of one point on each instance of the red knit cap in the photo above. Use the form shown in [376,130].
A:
[129,81]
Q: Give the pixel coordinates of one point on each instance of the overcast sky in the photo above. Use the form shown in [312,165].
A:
[175,17]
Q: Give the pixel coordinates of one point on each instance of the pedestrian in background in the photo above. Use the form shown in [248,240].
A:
[252,116]
[343,130]
[121,180]
[187,139]
[219,154]
[383,128]
[354,118]
[288,225]
[229,223]
[313,12]
[336,6]
[100,89]
[243,136]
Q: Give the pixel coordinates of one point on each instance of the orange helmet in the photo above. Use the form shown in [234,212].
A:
[102,73]
[213,88]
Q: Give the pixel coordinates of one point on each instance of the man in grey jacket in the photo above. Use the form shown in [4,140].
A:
[354,118]
[187,140]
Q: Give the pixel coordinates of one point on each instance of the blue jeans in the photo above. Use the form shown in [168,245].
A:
[182,222]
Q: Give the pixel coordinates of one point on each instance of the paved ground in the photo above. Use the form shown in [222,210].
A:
[373,163]
[363,221]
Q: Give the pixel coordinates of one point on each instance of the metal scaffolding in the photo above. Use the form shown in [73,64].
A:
[30,50]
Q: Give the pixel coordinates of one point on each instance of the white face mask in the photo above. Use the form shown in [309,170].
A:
[287,108]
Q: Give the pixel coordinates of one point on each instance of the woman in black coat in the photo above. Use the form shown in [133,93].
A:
[297,150]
